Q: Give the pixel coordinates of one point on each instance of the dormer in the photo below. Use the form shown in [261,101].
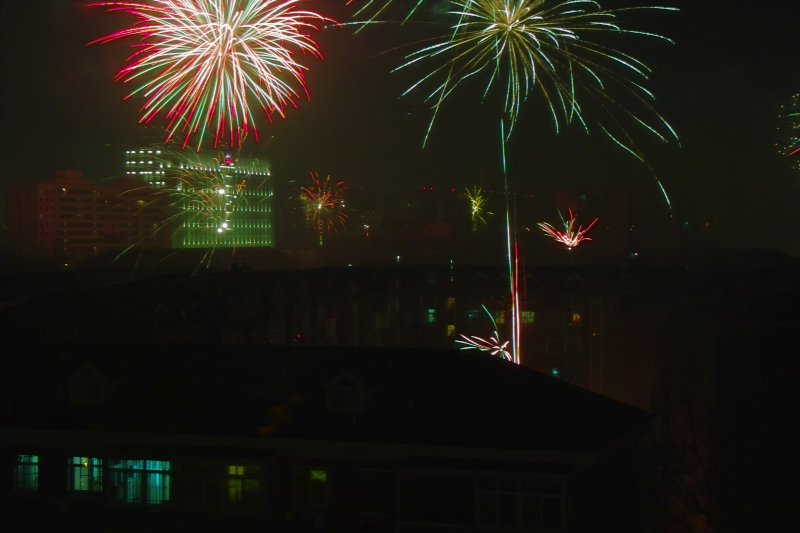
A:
[345,394]
[86,386]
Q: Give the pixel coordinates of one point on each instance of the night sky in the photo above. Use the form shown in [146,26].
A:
[720,87]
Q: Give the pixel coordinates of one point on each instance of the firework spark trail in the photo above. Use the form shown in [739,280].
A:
[372,9]
[492,345]
[522,45]
[477,206]
[570,237]
[203,62]
[324,204]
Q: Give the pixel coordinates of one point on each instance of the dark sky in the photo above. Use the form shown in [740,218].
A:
[719,86]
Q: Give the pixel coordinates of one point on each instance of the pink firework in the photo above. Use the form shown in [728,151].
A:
[207,64]
[324,204]
[570,236]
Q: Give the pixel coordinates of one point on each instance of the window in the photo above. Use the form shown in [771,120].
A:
[574,319]
[377,492]
[500,317]
[243,487]
[430,316]
[85,474]
[451,330]
[528,318]
[553,347]
[520,503]
[473,314]
[345,394]
[139,481]
[451,303]
[26,473]
[553,318]
[574,346]
[310,488]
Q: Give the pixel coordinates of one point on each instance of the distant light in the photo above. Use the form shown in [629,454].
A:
[555,372]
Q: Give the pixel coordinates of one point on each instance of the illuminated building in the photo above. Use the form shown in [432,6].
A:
[222,201]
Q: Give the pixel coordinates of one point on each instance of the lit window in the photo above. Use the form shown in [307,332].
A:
[310,488]
[500,317]
[243,487]
[451,303]
[451,330]
[26,473]
[430,316]
[85,474]
[528,318]
[140,481]
[574,319]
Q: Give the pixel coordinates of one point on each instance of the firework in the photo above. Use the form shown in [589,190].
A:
[522,45]
[324,204]
[493,345]
[477,206]
[789,131]
[206,64]
[570,237]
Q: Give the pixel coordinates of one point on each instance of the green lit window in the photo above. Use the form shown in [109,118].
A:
[85,474]
[26,473]
[500,317]
[310,488]
[139,481]
[243,487]
[430,316]
[528,318]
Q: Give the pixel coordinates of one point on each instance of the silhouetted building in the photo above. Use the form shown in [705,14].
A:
[173,436]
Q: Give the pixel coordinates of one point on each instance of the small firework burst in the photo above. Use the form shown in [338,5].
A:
[477,206]
[324,204]
[493,345]
[570,237]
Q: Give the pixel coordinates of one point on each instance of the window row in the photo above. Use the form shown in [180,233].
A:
[150,482]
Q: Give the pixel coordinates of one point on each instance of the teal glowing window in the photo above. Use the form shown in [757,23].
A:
[430,316]
[139,481]
[528,318]
[26,473]
[243,487]
[85,474]
[310,488]
[473,314]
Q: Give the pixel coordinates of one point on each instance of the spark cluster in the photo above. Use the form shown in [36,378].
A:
[570,237]
[493,345]
[207,64]
[324,204]
[477,206]
[788,144]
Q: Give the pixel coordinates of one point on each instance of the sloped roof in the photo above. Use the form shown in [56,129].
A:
[421,397]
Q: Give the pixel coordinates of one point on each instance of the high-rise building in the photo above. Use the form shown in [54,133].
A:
[71,218]
[217,200]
